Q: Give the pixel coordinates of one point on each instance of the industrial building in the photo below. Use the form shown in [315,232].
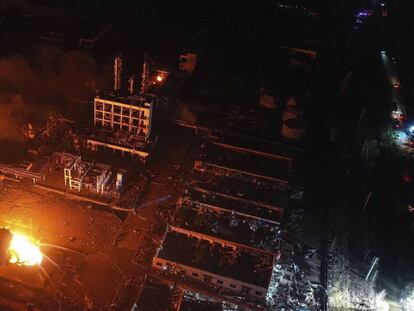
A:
[221,161]
[158,295]
[215,261]
[118,142]
[221,202]
[228,226]
[242,186]
[130,114]
[123,120]
[229,218]
[91,177]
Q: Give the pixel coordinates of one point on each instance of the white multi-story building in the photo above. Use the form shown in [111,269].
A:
[127,114]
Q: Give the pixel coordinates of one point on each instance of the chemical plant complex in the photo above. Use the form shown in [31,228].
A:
[152,171]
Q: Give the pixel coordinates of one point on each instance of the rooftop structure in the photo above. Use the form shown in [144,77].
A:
[154,296]
[236,205]
[215,261]
[254,145]
[243,187]
[229,226]
[196,302]
[222,161]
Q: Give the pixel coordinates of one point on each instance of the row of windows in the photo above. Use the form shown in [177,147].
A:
[209,278]
[107,114]
[143,126]
[140,130]
[125,122]
[100,114]
[136,113]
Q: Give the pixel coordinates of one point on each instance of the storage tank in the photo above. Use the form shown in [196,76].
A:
[267,101]
[293,128]
[292,112]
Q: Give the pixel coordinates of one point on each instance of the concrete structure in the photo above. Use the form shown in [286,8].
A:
[119,142]
[235,205]
[218,262]
[95,178]
[227,225]
[217,160]
[130,114]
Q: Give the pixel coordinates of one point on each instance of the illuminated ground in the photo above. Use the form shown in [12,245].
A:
[90,248]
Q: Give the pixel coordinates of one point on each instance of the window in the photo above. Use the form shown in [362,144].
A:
[125,111]
[117,110]
[194,274]
[99,106]
[246,289]
[117,119]
[108,107]
[220,282]
[107,116]
[232,285]
[125,120]
[135,122]
[257,293]
[135,113]
[99,115]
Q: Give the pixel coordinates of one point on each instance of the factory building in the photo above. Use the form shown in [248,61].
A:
[218,160]
[129,114]
[123,121]
[214,261]
[229,218]
[91,177]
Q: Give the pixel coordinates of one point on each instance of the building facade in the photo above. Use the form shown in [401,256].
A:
[125,114]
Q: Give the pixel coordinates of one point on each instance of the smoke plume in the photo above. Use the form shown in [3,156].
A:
[48,79]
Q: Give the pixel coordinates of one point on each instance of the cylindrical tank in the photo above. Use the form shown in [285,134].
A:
[267,101]
[292,112]
[293,128]
[289,115]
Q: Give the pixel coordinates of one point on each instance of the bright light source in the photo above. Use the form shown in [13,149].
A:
[411,129]
[380,303]
[23,252]
[408,302]
[159,78]
[382,4]
[383,52]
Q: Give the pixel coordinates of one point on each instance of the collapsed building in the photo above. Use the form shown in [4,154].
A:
[158,295]
[215,261]
[233,219]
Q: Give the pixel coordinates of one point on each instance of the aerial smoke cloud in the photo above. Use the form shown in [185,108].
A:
[48,79]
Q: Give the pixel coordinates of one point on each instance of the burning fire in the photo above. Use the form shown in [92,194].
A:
[24,252]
